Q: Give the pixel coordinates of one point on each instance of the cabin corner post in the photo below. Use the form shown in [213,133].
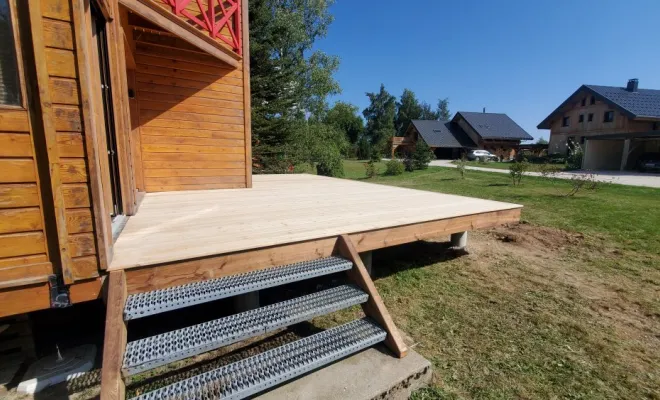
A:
[374,308]
[247,102]
[102,225]
[46,148]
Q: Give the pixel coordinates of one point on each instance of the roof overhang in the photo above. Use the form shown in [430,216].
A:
[148,10]
[545,124]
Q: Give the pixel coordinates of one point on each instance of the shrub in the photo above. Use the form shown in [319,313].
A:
[364,149]
[394,167]
[574,160]
[422,155]
[408,163]
[460,166]
[370,169]
[517,170]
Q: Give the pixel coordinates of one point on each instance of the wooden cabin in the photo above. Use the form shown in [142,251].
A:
[125,165]
[102,102]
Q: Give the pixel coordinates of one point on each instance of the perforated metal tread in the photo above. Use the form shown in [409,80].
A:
[155,351]
[252,375]
[149,303]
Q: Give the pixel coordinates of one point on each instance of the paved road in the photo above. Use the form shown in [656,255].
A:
[622,178]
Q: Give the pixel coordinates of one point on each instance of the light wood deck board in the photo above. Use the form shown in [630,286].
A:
[279,209]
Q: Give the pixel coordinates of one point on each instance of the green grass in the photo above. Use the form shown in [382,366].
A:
[570,309]
[626,214]
[505,165]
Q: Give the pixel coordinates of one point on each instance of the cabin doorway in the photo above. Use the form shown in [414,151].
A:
[111,178]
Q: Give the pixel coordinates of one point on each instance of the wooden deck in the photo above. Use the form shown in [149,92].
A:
[284,209]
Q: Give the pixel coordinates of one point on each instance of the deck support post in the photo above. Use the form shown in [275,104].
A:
[459,240]
[367,260]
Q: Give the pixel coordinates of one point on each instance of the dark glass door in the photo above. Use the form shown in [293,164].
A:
[99,26]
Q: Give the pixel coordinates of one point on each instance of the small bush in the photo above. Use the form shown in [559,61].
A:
[422,155]
[517,170]
[574,160]
[394,167]
[460,166]
[370,169]
[408,163]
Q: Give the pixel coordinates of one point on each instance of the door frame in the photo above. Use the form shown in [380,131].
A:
[92,110]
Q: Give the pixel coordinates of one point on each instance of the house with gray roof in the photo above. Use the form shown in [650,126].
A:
[494,132]
[613,125]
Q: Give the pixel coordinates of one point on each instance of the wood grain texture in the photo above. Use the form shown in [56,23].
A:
[19,195]
[71,144]
[284,209]
[173,24]
[14,121]
[79,220]
[114,343]
[56,9]
[78,195]
[61,63]
[17,171]
[20,220]
[64,91]
[247,101]
[19,244]
[23,260]
[374,308]
[15,145]
[190,105]
[51,62]
[58,34]
[24,299]
[19,274]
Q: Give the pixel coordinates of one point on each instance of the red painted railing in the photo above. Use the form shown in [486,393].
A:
[215,15]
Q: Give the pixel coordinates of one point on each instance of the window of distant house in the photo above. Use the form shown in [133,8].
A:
[593,100]
[565,121]
[10,92]
[584,102]
[590,117]
[581,118]
[608,116]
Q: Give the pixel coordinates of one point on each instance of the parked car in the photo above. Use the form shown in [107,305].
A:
[481,155]
[648,161]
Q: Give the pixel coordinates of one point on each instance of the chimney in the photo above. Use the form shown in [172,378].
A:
[484,110]
[633,84]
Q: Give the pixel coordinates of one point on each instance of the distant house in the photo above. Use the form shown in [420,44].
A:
[496,133]
[613,125]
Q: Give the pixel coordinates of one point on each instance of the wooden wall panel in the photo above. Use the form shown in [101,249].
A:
[65,95]
[23,251]
[191,116]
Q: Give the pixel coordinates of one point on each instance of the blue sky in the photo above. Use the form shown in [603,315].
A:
[522,57]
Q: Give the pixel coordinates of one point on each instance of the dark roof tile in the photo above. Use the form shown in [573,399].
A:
[442,134]
[494,126]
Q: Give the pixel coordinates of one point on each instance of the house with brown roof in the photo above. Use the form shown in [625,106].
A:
[613,125]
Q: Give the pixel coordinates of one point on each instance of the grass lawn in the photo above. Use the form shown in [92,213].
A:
[565,305]
[505,165]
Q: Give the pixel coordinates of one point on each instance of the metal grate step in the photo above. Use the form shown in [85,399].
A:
[268,369]
[152,352]
[149,303]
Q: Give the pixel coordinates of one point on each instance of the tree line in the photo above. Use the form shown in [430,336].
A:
[292,122]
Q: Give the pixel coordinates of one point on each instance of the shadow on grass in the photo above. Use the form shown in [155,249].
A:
[391,260]
[499,184]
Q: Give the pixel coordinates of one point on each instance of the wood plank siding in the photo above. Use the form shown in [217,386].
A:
[64,89]
[191,116]
[24,257]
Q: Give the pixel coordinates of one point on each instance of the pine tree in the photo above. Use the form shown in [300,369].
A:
[288,78]
[443,110]
[406,110]
[380,120]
